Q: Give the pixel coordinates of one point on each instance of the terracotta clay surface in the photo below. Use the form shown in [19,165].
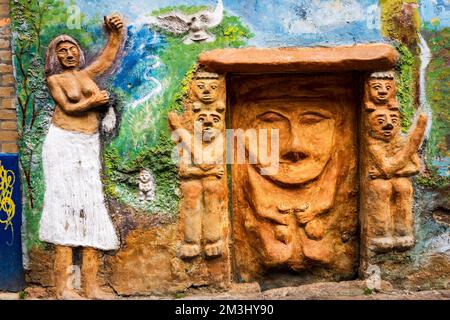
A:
[148,264]
[388,161]
[303,217]
[203,208]
[380,91]
[359,57]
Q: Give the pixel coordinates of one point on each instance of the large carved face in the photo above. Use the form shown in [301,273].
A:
[381,90]
[68,55]
[306,137]
[207,90]
[384,124]
[210,123]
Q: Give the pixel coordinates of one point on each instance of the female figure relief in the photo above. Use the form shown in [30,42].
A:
[74,212]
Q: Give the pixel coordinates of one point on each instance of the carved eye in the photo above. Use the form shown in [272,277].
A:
[201,86]
[201,119]
[376,87]
[388,87]
[62,50]
[216,119]
[271,117]
[394,119]
[312,118]
[214,86]
[380,121]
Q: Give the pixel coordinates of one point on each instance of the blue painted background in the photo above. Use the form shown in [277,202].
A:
[274,23]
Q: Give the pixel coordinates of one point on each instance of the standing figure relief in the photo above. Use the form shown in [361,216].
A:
[201,169]
[74,211]
[391,160]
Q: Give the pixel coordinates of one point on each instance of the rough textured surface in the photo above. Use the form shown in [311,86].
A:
[359,57]
[148,84]
[148,265]
[349,290]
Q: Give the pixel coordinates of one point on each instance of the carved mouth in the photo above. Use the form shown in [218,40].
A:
[71,61]
[208,134]
[292,157]
[207,98]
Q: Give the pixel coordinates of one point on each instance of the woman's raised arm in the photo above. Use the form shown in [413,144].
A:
[114,25]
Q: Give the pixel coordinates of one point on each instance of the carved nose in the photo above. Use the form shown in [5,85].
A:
[207,123]
[388,126]
[296,148]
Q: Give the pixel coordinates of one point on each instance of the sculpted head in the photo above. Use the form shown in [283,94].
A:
[384,124]
[144,176]
[381,87]
[306,137]
[206,87]
[63,53]
[209,122]
[68,55]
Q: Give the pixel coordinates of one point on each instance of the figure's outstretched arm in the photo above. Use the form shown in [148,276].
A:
[60,98]
[114,25]
[182,135]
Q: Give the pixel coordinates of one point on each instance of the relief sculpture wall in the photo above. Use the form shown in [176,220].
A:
[165,147]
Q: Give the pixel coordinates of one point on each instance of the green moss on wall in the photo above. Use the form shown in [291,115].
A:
[406,85]
[398,23]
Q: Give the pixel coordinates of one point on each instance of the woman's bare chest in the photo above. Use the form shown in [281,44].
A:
[78,87]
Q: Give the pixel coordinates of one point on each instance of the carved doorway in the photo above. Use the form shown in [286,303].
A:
[299,223]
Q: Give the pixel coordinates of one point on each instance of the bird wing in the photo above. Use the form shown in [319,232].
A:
[174,22]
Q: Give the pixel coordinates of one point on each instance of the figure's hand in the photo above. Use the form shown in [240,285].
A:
[218,172]
[303,217]
[113,23]
[422,121]
[100,98]
[374,174]
[109,121]
[174,120]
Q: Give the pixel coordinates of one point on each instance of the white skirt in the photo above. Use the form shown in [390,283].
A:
[74,211]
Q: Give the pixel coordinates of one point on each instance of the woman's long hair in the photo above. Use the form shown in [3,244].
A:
[52,65]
